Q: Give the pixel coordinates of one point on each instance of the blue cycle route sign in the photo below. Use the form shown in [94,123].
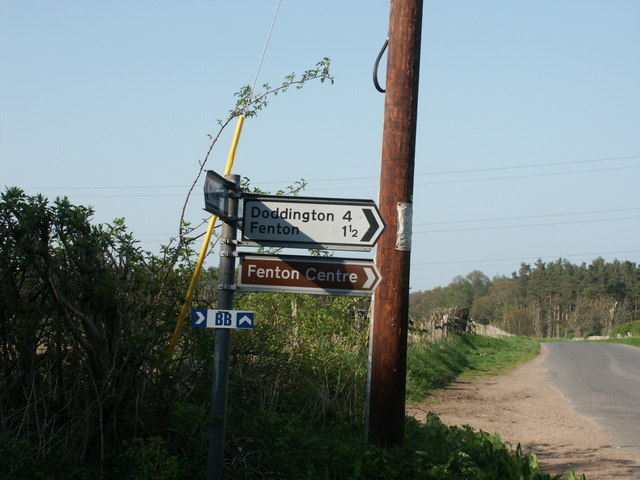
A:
[204,318]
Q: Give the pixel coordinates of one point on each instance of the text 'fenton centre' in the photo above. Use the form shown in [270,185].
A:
[310,273]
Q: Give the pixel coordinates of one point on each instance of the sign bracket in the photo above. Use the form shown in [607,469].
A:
[217,193]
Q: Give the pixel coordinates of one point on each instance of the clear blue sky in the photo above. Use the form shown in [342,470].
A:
[528,130]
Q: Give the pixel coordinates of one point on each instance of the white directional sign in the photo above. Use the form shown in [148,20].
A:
[315,275]
[310,222]
[203,318]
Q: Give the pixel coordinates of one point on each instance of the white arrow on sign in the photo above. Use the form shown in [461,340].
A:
[200,317]
[311,222]
[371,277]
[245,322]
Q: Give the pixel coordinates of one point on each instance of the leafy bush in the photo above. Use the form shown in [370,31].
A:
[631,329]
[151,460]
[19,460]
[433,451]
[84,320]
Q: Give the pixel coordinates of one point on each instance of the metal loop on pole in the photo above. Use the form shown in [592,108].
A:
[375,67]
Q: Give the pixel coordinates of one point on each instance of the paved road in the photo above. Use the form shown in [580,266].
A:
[602,381]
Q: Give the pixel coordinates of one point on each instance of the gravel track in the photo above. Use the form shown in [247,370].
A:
[523,407]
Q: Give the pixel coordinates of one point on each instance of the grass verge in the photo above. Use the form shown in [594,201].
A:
[434,366]
[634,341]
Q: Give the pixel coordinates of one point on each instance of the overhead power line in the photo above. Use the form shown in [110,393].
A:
[489,179]
[531,175]
[372,177]
[109,187]
[517,259]
[477,170]
[506,227]
[522,217]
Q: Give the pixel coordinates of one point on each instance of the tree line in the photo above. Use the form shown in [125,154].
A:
[544,299]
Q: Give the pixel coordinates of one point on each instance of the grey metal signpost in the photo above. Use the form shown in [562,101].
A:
[295,222]
[215,462]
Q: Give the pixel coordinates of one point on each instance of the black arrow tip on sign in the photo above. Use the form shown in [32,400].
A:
[373,225]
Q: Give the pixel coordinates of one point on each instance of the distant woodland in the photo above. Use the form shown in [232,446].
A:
[543,300]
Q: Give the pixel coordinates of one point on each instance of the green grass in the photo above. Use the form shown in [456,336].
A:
[634,341]
[432,451]
[496,356]
[434,366]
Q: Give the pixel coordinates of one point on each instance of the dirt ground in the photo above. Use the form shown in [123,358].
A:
[522,407]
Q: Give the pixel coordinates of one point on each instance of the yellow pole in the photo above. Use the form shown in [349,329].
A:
[205,245]
[234,146]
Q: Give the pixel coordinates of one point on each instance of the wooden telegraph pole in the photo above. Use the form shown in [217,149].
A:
[387,371]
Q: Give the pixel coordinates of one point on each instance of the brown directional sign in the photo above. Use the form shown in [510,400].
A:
[315,275]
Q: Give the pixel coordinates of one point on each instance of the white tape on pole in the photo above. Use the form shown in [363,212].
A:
[405,219]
